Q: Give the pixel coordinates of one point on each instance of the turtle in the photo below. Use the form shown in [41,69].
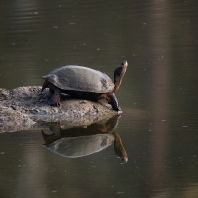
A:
[84,83]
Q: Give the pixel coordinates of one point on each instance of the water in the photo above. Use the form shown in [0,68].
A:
[158,96]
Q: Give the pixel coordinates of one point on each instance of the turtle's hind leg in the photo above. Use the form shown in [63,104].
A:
[45,85]
[55,100]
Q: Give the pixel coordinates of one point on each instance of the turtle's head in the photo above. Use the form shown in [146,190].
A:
[124,64]
[119,74]
[124,159]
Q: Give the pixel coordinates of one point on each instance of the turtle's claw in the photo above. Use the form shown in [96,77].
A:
[54,103]
[119,112]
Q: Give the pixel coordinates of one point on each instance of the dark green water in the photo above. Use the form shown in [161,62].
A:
[158,96]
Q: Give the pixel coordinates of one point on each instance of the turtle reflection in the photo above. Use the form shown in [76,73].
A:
[79,142]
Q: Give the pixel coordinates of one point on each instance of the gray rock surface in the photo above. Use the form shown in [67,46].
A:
[25,107]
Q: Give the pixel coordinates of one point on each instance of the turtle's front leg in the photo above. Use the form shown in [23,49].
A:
[114,102]
[55,100]
[111,98]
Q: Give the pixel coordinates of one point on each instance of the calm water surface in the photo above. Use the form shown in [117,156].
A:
[158,96]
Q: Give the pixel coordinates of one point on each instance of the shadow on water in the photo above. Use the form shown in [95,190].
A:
[80,142]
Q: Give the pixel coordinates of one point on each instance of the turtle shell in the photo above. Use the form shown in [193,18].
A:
[79,78]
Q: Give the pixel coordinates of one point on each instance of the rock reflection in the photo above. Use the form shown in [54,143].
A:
[80,142]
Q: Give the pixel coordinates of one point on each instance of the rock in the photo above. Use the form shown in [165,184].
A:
[24,106]
[10,118]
